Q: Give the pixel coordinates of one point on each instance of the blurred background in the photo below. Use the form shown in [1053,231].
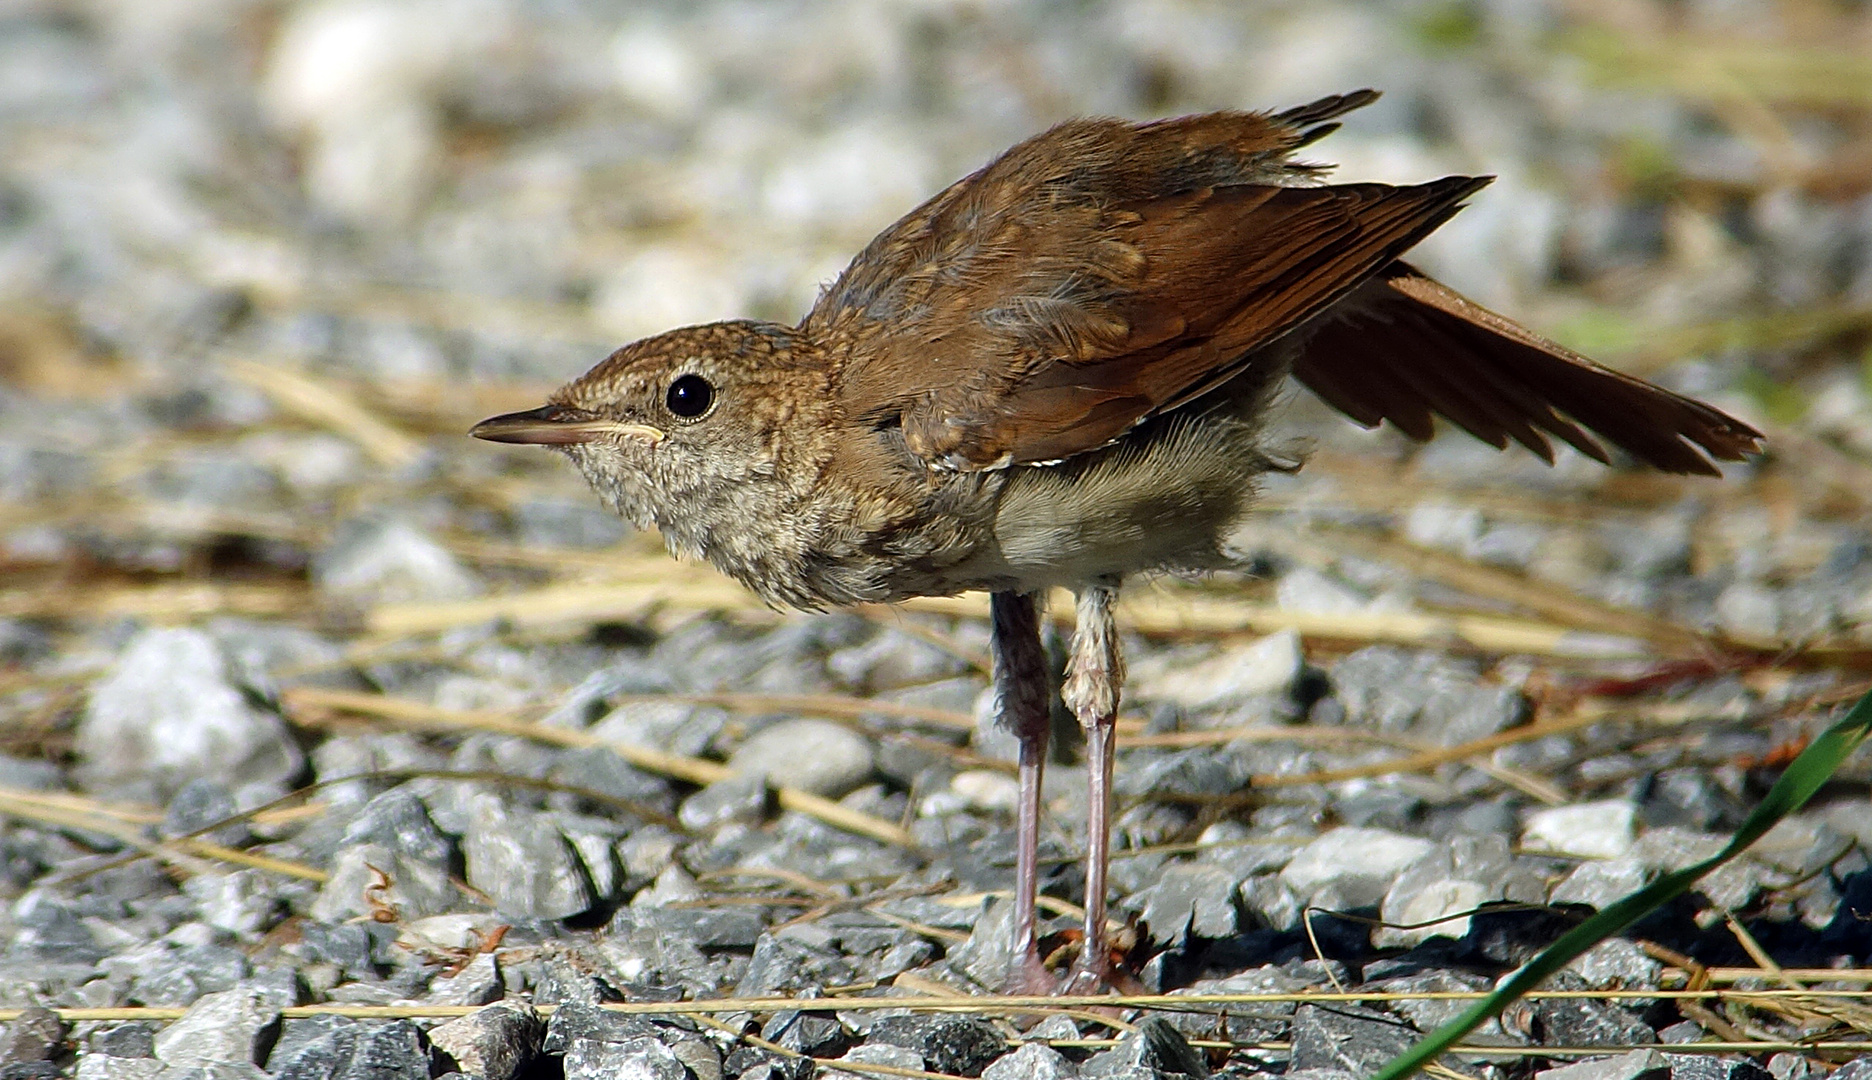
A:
[261,263]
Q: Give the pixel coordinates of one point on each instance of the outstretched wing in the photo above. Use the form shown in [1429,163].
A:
[1101,272]
[1402,347]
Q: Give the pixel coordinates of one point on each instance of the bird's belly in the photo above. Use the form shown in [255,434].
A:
[1161,499]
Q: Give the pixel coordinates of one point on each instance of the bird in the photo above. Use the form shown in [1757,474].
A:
[1055,373]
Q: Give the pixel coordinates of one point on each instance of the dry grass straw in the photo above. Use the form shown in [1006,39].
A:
[321,404]
[306,704]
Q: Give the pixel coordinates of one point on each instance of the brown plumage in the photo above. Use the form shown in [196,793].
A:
[1054,372]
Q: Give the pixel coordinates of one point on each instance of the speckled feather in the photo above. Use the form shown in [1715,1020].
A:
[1054,371]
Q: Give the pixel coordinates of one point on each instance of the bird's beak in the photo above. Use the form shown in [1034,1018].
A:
[558,425]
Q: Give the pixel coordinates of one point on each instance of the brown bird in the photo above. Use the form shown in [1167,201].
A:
[1054,373]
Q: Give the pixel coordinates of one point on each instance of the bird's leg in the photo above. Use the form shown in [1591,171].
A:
[1023,705]
[1094,675]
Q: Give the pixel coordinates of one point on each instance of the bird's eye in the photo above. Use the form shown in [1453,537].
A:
[690,396]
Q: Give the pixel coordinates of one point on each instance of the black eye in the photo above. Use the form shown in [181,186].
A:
[690,396]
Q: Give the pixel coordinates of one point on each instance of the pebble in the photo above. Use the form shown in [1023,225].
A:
[740,799]
[1031,1061]
[495,1043]
[1189,899]
[1351,867]
[818,756]
[1271,666]
[232,1027]
[947,1043]
[369,878]
[36,1034]
[391,562]
[1637,1065]
[1596,830]
[522,861]
[1348,1037]
[583,173]
[167,714]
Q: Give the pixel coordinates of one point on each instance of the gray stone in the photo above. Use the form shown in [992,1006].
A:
[1428,1013]
[521,860]
[813,1034]
[1424,692]
[1347,1037]
[1031,1061]
[598,769]
[1789,1066]
[1194,899]
[167,714]
[1586,1022]
[135,1039]
[813,755]
[364,872]
[1860,1068]
[388,1051]
[572,1022]
[1458,874]
[198,804]
[1709,1067]
[697,1054]
[1601,883]
[1351,867]
[897,1057]
[634,1059]
[494,1043]
[670,726]
[37,1034]
[1268,900]
[1637,1065]
[949,1043]
[478,983]
[741,798]
[787,963]
[1616,964]
[989,953]
[1168,1053]
[231,1027]
[399,821]
[242,902]
[107,1067]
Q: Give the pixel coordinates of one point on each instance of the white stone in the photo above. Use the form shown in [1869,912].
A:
[657,71]
[1595,830]
[812,755]
[986,789]
[1750,611]
[1269,666]
[1304,589]
[1031,1061]
[393,562]
[1359,864]
[168,714]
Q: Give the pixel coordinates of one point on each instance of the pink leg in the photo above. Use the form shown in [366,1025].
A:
[1023,701]
[1093,678]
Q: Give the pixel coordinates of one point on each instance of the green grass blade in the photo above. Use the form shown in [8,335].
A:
[1802,779]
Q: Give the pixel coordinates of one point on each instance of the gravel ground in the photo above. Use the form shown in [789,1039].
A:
[262,263]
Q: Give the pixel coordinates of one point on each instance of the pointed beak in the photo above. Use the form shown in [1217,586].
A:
[558,425]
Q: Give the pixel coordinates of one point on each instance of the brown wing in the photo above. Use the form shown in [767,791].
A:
[1403,347]
[1100,272]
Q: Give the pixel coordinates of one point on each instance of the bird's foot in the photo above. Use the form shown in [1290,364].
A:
[1029,977]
